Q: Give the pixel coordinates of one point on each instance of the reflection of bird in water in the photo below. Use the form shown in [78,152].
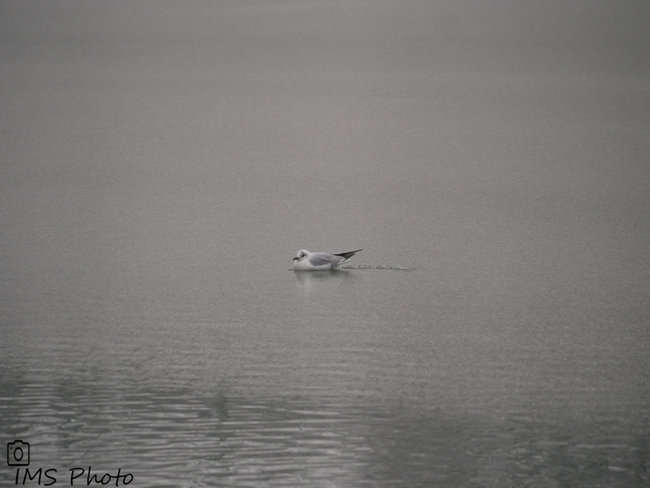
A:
[320,261]
[307,281]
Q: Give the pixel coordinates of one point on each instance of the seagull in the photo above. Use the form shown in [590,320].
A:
[320,261]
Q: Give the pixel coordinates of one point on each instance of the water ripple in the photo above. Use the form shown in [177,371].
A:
[378,266]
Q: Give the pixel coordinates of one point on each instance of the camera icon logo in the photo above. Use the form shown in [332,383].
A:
[18,453]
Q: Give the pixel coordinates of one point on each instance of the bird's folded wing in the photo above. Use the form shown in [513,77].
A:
[322,258]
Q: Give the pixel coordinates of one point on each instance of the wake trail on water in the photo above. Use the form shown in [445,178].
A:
[378,266]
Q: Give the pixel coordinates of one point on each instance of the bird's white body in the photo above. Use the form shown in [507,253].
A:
[320,261]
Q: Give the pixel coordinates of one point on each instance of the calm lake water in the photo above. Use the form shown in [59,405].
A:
[161,164]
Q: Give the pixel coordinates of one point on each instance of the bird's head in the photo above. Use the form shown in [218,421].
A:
[302,254]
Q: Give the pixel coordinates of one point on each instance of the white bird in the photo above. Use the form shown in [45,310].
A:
[320,261]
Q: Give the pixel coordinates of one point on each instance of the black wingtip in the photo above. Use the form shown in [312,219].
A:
[348,255]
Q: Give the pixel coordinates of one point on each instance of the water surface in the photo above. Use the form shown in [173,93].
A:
[161,164]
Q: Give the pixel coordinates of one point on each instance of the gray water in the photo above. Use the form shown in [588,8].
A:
[161,163]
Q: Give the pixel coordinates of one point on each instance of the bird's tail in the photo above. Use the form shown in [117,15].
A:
[348,255]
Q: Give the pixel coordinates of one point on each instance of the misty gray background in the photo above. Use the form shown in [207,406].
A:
[162,162]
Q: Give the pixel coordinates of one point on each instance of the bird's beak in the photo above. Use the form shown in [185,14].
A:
[295,259]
